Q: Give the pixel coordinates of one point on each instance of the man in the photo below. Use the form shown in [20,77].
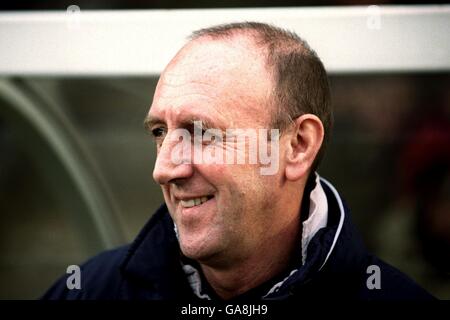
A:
[230,230]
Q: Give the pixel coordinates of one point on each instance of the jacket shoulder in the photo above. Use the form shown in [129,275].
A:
[100,278]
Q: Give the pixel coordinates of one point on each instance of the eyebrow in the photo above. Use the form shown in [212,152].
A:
[151,121]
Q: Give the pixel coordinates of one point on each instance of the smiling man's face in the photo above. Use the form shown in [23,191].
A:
[222,211]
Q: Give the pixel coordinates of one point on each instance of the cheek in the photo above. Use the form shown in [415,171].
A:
[239,186]
[216,175]
[230,182]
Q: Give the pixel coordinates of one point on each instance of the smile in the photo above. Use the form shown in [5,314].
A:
[194,202]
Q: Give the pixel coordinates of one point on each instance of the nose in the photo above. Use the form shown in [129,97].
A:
[169,168]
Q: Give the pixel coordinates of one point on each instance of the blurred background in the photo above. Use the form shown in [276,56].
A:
[76,165]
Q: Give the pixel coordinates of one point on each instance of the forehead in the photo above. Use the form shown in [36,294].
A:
[226,80]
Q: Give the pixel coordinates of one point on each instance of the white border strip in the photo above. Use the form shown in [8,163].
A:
[341,219]
[141,42]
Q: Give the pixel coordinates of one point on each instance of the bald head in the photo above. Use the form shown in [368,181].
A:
[287,74]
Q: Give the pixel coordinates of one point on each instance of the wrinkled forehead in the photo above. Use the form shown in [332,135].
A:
[236,56]
[229,73]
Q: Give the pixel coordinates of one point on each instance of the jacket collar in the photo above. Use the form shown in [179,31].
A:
[153,259]
[334,249]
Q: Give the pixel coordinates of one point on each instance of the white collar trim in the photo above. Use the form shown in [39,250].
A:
[318,216]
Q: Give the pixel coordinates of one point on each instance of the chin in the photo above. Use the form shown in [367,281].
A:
[197,255]
[198,252]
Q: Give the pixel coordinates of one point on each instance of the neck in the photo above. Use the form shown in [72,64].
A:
[272,256]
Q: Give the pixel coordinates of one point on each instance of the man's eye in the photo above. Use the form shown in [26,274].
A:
[158,132]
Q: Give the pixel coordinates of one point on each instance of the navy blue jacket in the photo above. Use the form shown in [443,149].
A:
[336,267]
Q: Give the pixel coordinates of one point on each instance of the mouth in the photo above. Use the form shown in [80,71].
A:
[194,202]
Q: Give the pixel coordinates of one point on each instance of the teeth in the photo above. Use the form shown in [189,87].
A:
[193,202]
[188,203]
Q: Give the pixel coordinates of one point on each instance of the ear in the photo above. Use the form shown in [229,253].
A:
[304,143]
